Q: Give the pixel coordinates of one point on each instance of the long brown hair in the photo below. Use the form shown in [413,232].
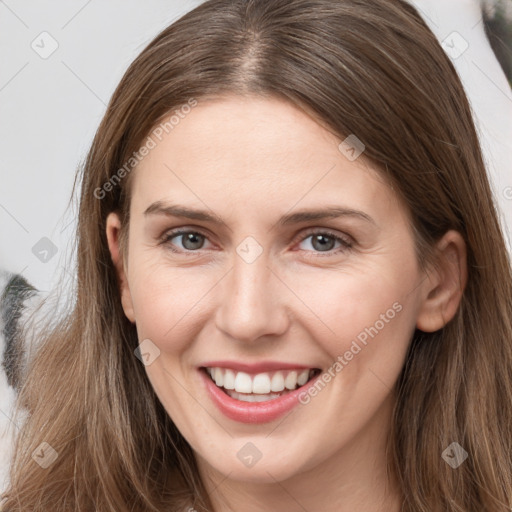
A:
[372,69]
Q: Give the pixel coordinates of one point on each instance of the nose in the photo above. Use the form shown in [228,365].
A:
[250,301]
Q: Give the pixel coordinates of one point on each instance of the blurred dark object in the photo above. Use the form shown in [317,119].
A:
[498,28]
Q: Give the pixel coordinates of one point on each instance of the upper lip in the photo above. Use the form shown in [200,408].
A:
[260,367]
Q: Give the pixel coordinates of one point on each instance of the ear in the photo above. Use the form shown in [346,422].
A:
[113,230]
[444,284]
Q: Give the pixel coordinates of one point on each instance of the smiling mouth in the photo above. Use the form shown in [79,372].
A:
[259,387]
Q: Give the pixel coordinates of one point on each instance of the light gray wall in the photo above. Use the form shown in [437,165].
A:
[50,107]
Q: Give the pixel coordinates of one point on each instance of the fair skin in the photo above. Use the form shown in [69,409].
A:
[250,161]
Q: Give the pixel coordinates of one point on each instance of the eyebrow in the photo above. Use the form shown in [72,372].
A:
[333,212]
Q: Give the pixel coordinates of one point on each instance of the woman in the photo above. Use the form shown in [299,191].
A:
[293,291]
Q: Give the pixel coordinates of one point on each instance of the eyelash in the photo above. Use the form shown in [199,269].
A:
[346,244]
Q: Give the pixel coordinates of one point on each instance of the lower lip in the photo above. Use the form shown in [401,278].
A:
[253,412]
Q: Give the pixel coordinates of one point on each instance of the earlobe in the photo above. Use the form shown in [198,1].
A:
[444,284]
[113,230]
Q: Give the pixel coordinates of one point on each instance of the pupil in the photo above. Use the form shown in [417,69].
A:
[192,238]
[322,246]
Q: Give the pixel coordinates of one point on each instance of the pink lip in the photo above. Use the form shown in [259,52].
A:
[253,368]
[252,412]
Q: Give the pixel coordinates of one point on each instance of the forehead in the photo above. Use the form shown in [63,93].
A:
[257,151]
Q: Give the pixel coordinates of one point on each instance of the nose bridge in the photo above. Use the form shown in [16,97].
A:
[250,306]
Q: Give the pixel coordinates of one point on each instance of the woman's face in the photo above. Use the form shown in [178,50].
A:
[306,261]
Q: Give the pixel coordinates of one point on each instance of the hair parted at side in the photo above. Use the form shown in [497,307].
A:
[372,69]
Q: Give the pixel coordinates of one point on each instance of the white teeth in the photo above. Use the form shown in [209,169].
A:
[291,380]
[218,377]
[229,379]
[253,398]
[261,384]
[264,383]
[277,383]
[243,383]
[303,377]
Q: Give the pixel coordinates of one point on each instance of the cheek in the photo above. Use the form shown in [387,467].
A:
[167,303]
[366,317]
[347,302]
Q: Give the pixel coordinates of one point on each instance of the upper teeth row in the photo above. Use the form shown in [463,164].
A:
[261,383]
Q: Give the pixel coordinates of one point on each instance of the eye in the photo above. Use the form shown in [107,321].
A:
[324,241]
[191,240]
[321,241]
